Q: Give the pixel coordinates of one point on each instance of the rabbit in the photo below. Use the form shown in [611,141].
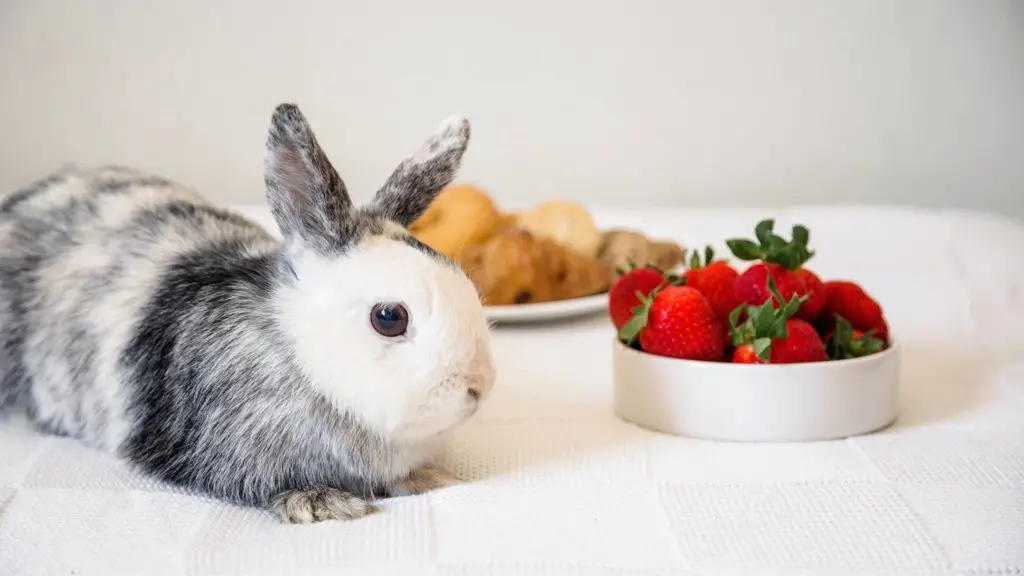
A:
[307,374]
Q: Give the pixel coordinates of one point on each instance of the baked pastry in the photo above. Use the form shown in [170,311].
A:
[518,267]
[509,220]
[576,274]
[565,222]
[461,216]
[619,247]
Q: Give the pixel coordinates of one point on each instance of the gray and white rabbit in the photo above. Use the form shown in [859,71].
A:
[308,375]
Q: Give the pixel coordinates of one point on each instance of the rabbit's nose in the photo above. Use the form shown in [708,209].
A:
[473,392]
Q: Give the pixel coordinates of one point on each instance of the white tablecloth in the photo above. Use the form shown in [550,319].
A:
[560,486]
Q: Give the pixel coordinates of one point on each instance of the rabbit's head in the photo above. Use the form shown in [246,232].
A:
[392,332]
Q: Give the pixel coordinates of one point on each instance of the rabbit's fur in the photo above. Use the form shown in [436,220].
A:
[210,354]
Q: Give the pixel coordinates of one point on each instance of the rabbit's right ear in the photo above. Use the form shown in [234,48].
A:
[418,180]
[308,198]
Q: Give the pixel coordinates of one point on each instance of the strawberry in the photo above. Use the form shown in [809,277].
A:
[746,355]
[772,335]
[751,287]
[716,280]
[847,299]
[848,342]
[776,258]
[816,298]
[676,321]
[801,344]
[624,295]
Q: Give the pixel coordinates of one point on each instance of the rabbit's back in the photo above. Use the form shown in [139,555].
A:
[82,251]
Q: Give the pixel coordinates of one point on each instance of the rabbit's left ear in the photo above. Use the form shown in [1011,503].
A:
[420,178]
[308,198]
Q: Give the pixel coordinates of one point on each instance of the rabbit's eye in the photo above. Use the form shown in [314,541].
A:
[389,320]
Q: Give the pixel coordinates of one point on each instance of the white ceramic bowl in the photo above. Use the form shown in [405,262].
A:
[756,402]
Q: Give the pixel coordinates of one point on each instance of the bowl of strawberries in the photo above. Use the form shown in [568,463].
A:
[769,353]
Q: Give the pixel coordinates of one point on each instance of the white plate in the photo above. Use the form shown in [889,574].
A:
[546,311]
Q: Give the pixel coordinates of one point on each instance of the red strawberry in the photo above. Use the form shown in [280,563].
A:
[847,342]
[676,321]
[716,280]
[801,344]
[772,335]
[816,298]
[847,299]
[623,295]
[777,258]
[752,286]
[745,354]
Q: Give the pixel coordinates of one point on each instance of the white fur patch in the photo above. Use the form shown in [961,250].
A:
[451,132]
[410,388]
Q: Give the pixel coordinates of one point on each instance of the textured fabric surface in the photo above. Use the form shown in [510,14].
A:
[559,486]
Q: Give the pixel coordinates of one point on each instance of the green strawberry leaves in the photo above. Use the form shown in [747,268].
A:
[843,344]
[674,280]
[631,266]
[764,323]
[772,248]
[763,231]
[744,249]
[631,329]
[763,348]
[695,260]
[801,235]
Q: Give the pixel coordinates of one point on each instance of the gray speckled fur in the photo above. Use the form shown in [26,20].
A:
[136,318]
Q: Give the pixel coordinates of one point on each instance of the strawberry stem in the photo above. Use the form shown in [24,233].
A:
[674,280]
[844,344]
[630,331]
[764,323]
[695,260]
[772,248]
[763,349]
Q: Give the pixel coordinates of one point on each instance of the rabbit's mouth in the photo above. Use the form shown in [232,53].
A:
[433,421]
[474,399]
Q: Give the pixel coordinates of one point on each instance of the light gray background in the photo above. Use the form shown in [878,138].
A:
[719,102]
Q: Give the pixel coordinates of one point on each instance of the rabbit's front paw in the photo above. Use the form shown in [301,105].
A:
[318,504]
[425,479]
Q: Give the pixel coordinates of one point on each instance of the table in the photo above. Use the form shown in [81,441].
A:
[558,485]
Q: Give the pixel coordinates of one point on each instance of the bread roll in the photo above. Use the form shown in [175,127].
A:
[461,216]
[563,221]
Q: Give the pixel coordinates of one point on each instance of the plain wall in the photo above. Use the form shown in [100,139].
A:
[606,101]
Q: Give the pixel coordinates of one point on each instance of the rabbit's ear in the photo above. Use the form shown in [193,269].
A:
[421,177]
[306,195]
